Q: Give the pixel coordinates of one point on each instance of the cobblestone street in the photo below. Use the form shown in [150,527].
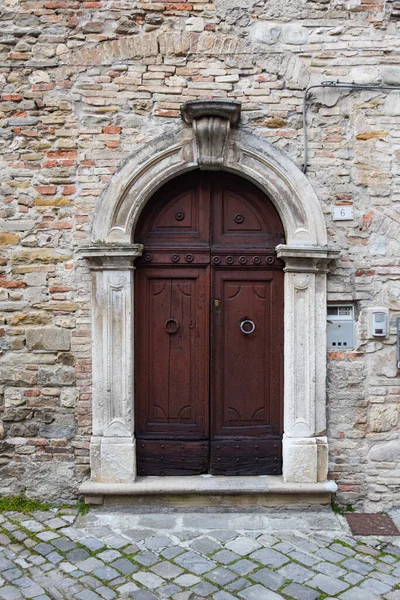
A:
[186,556]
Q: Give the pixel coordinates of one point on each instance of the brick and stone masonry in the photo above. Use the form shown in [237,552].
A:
[84,82]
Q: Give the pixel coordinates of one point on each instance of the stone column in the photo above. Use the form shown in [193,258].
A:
[112,447]
[305,446]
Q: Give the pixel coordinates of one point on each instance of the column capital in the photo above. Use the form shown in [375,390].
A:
[307,259]
[101,258]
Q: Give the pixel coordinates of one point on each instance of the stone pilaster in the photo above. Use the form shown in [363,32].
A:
[305,456]
[112,449]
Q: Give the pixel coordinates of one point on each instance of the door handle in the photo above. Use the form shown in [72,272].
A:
[247,326]
[171,326]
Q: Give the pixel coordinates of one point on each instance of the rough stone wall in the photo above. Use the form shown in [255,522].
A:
[84,81]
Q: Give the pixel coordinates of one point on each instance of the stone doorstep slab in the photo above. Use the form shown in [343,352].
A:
[250,493]
[207,484]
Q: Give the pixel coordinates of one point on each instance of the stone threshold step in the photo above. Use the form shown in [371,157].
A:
[210,490]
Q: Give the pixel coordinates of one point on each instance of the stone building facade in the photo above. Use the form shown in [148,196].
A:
[91,124]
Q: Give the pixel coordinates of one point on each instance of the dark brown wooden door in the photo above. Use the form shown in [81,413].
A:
[209,330]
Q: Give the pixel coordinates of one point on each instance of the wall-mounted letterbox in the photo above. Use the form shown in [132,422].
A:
[340,327]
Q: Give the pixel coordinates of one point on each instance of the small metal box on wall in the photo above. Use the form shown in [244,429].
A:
[340,327]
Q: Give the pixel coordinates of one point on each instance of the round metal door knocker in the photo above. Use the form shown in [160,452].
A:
[247,326]
[171,326]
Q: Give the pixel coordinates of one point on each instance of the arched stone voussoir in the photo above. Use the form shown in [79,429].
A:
[161,158]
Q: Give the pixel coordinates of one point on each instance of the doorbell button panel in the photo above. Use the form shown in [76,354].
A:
[340,327]
[378,322]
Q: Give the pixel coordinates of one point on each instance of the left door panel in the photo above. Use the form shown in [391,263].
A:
[171,352]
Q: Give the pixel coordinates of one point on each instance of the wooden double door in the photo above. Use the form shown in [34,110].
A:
[209,330]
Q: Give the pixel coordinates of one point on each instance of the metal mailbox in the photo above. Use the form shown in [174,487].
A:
[340,327]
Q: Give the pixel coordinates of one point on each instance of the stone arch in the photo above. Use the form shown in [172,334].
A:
[171,154]
[111,258]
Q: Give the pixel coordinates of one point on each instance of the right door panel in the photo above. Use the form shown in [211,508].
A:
[247,342]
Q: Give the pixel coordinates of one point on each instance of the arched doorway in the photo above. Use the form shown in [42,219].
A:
[209,330]
[112,257]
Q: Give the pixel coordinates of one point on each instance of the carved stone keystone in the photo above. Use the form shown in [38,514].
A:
[211,121]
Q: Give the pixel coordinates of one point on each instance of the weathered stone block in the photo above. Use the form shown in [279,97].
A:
[266,33]
[57,376]
[385,452]
[383,418]
[48,338]
[69,397]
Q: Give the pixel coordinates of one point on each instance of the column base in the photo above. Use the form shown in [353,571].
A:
[305,460]
[113,460]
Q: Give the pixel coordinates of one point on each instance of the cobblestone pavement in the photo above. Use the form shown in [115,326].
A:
[191,556]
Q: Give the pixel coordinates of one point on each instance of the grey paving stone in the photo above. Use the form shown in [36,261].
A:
[63,544]
[127,588]
[89,564]
[295,591]
[195,563]
[92,543]
[257,592]
[116,541]
[172,552]
[9,592]
[105,573]
[31,525]
[109,555]
[221,576]
[268,578]
[223,535]
[77,555]
[147,559]
[303,558]
[327,584]
[205,545]
[223,596]
[328,568]
[296,572]
[243,545]
[375,586]
[43,548]
[166,591]
[357,593]
[353,578]
[187,580]
[342,549]
[238,585]
[125,566]
[149,580]
[106,593]
[389,579]
[88,595]
[353,564]
[157,542]
[54,557]
[225,556]
[269,557]
[243,567]
[167,570]
[55,523]
[12,574]
[204,589]
[327,554]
